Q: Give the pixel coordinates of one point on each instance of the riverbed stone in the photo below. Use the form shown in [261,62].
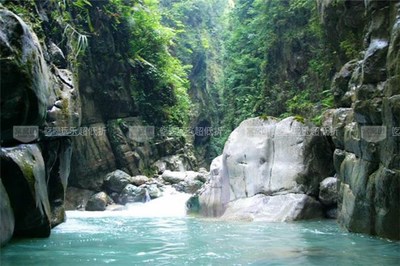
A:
[77,198]
[138,180]
[132,193]
[154,191]
[116,181]
[98,202]
[173,177]
[328,191]
[188,186]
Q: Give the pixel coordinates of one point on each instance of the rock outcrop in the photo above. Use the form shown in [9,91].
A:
[366,127]
[188,182]
[328,191]
[40,89]
[7,220]
[37,99]
[328,196]
[117,135]
[270,157]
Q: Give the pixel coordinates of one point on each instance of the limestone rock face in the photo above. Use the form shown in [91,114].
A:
[64,107]
[34,93]
[340,84]
[25,82]
[24,177]
[93,161]
[57,159]
[367,139]
[266,157]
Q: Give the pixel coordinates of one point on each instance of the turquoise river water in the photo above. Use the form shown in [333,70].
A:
[138,238]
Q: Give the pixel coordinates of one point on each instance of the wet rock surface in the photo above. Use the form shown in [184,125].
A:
[367,142]
[37,98]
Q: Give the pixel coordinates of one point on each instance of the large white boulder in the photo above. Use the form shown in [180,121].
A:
[269,157]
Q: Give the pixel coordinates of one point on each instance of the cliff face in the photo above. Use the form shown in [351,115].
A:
[51,132]
[109,81]
[367,94]
[36,96]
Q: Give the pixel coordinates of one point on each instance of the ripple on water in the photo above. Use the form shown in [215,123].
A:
[125,240]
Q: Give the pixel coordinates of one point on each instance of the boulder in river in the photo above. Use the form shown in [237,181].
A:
[328,191]
[154,191]
[98,202]
[116,181]
[269,157]
[132,193]
[138,180]
[188,181]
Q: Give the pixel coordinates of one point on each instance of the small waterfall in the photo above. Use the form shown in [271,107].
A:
[147,196]
[171,204]
[181,167]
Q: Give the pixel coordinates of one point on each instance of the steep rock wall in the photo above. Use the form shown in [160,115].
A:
[36,97]
[367,142]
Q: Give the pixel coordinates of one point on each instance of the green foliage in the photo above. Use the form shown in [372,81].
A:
[299,119]
[26,10]
[198,26]
[276,61]
[78,41]
[159,80]
[349,47]
[300,104]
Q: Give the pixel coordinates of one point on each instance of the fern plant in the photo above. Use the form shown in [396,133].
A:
[78,41]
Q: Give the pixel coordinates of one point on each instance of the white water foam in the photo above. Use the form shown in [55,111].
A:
[171,204]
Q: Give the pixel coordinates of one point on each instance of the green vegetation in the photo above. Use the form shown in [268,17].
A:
[158,80]
[277,61]
[192,62]
[199,26]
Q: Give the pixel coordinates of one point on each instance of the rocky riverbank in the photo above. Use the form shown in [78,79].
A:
[119,189]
